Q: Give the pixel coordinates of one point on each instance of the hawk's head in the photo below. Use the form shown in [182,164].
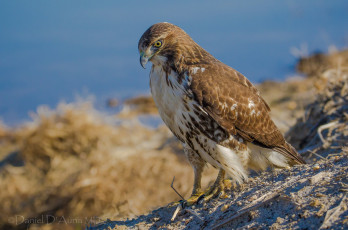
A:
[158,42]
[165,43]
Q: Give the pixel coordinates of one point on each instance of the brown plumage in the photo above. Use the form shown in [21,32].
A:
[250,120]
[213,109]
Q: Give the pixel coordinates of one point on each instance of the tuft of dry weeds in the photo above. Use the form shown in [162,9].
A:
[3,130]
[141,105]
[318,63]
[325,123]
[287,99]
[77,163]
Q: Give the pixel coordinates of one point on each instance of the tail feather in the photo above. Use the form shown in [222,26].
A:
[290,152]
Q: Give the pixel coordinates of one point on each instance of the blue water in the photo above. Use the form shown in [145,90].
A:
[57,49]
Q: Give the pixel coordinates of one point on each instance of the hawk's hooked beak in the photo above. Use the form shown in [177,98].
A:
[143,59]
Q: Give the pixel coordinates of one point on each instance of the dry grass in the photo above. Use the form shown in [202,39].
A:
[325,123]
[316,64]
[78,163]
[3,130]
[287,99]
[143,105]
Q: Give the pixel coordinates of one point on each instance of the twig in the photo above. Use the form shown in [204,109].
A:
[182,206]
[175,189]
[245,210]
[193,212]
[258,202]
[308,149]
[316,154]
[177,210]
[323,127]
[334,212]
[324,158]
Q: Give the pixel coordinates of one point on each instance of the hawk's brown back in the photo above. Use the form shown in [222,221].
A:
[235,104]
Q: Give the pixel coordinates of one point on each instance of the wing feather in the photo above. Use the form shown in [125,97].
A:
[236,105]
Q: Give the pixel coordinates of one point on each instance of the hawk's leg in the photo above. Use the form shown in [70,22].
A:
[198,165]
[217,188]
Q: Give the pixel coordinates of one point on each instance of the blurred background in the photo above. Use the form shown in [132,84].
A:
[54,50]
[111,157]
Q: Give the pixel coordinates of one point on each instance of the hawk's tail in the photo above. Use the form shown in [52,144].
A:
[290,152]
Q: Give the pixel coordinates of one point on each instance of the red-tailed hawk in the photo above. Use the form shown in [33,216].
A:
[215,111]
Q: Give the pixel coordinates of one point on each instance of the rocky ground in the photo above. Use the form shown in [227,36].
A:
[304,197]
[73,166]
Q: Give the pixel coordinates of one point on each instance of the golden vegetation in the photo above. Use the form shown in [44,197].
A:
[318,63]
[325,123]
[76,162]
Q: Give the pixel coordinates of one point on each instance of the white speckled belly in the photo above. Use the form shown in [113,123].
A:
[170,98]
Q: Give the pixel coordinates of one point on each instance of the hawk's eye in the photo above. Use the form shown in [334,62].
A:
[157,44]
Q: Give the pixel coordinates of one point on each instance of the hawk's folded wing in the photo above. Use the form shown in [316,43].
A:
[235,104]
